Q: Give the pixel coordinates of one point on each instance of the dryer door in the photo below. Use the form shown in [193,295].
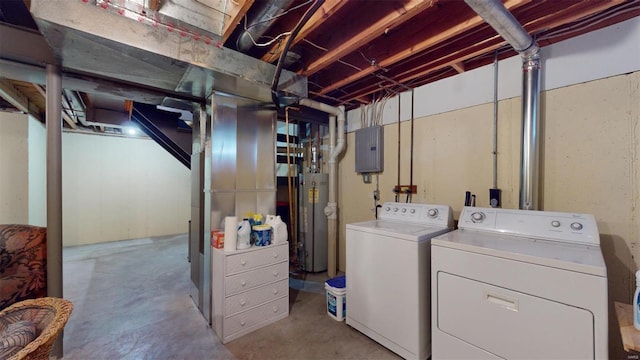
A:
[511,324]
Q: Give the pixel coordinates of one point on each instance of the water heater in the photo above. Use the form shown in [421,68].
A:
[312,226]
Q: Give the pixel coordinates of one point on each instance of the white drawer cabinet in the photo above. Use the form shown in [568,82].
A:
[250,289]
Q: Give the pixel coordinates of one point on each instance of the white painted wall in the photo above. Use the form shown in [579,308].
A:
[37,176]
[14,168]
[117,188]
[22,170]
[114,188]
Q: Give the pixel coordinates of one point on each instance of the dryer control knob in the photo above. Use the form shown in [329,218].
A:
[404,210]
[413,211]
[576,226]
[477,217]
[387,209]
[555,223]
[395,209]
[432,213]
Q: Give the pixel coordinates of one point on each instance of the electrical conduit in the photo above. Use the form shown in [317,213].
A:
[335,149]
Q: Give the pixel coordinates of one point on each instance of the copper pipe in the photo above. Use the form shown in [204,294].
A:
[292,202]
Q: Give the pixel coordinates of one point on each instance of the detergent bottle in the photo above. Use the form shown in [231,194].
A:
[636,303]
[279,230]
[244,235]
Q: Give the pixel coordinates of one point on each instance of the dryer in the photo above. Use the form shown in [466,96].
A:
[388,275]
[519,284]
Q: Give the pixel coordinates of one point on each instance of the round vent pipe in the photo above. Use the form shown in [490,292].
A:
[260,23]
[506,25]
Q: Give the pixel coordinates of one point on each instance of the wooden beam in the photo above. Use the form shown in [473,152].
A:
[570,14]
[458,66]
[426,43]
[154,5]
[17,99]
[325,12]
[437,64]
[236,11]
[566,16]
[40,90]
[65,116]
[390,21]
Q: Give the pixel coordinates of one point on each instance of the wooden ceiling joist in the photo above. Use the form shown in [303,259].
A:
[349,42]
[424,44]
[236,11]
[65,116]
[19,100]
[434,66]
[458,66]
[329,8]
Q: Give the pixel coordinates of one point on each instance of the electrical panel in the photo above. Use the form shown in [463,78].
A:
[370,149]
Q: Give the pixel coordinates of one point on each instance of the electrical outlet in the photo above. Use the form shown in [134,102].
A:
[403,189]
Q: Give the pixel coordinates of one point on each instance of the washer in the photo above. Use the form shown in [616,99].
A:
[519,284]
[388,275]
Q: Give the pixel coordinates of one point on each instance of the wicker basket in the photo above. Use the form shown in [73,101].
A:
[49,315]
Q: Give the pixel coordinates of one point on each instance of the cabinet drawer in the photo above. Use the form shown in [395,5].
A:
[252,318]
[509,324]
[257,277]
[254,258]
[252,298]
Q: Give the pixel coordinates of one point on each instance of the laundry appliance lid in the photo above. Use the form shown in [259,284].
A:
[569,256]
[399,229]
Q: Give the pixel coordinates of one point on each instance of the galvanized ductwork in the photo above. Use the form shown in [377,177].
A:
[260,23]
[88,40]
[496,15]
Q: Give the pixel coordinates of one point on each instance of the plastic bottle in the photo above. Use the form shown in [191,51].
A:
[636,303]
[270,219]
[279,230]
[244,230]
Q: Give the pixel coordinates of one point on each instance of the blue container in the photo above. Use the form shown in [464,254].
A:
[261,235]
[337,297]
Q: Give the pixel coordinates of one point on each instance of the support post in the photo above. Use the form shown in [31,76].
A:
[54,188]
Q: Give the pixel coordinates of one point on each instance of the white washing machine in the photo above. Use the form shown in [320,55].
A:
[512,284]
[388,275]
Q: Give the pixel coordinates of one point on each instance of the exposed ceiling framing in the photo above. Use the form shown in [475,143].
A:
[353,52]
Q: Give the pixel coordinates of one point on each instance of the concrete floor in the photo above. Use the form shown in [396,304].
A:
[131,301]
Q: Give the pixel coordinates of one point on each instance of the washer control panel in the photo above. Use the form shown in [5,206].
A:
[558,226]
[417,213]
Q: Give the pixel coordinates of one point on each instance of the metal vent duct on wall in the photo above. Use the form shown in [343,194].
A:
[506,25]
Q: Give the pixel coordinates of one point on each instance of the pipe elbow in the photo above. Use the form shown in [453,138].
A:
[338,149]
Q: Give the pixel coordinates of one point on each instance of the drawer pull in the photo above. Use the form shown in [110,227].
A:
[275,309]
[275,291]
[503,301]
[243,262]
[243,303]
[242,323]
[275,273]
[243,282]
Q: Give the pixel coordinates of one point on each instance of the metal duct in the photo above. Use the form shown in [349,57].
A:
[530,129]
[77,107]
[496,15]
[260,23]
[88,40]
[503,22]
